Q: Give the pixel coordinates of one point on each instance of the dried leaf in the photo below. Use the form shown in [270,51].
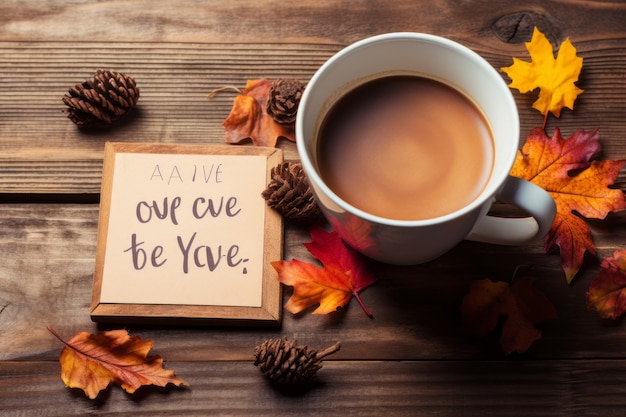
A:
[577,184]
[555,78]
[91,362]
[519,306]
[248,118]
[342,276]
[607,292]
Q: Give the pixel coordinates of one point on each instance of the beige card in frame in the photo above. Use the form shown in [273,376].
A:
[185,235]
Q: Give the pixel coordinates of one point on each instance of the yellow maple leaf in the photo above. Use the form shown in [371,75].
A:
[555,78]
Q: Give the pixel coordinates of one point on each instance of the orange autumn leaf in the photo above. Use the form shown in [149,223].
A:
[607,292]
[579,185]
[91,362]
[248,118]
[342,276]
[555,78]
[519,307]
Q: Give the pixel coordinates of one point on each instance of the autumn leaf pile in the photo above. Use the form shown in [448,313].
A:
[580,184]
[566,168]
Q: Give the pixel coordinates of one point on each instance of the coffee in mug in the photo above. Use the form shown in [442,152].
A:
[405,147]
[407,139]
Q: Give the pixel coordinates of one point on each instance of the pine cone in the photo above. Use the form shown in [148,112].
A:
[289,193]
[284,100]
[283,362]
[101,101]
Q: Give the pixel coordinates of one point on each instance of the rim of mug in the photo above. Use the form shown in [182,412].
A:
[309,168]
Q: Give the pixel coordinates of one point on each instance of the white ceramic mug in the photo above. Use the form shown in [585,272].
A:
[406,242]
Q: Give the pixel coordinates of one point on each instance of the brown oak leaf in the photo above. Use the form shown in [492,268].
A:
[248,118]
[518,306]
[92,361]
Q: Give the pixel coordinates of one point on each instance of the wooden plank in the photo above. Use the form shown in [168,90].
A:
[50,155]
[47,273]
[304,21]
[473,388]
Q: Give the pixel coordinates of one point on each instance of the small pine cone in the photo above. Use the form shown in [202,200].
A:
[290,194]
[283,362]
[284,100]
[102,100]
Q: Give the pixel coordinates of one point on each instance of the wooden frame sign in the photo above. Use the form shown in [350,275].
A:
[185,235]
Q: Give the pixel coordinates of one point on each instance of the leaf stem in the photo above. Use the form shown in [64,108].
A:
[225,88]
[367,311]
[55,334]
[328,351]
[516,271]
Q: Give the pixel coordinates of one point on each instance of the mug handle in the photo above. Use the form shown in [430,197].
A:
[531,198]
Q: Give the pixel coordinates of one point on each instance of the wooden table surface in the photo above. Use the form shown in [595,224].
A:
[412,357]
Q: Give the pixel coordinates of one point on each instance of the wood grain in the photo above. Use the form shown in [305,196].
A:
[339,21]
[472,388]
[178,110]
[174,81]
[416,309]
[175,73]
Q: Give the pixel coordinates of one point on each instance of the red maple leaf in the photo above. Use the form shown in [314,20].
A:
[563,167]
[518,306]
[342,276]
[607,292]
